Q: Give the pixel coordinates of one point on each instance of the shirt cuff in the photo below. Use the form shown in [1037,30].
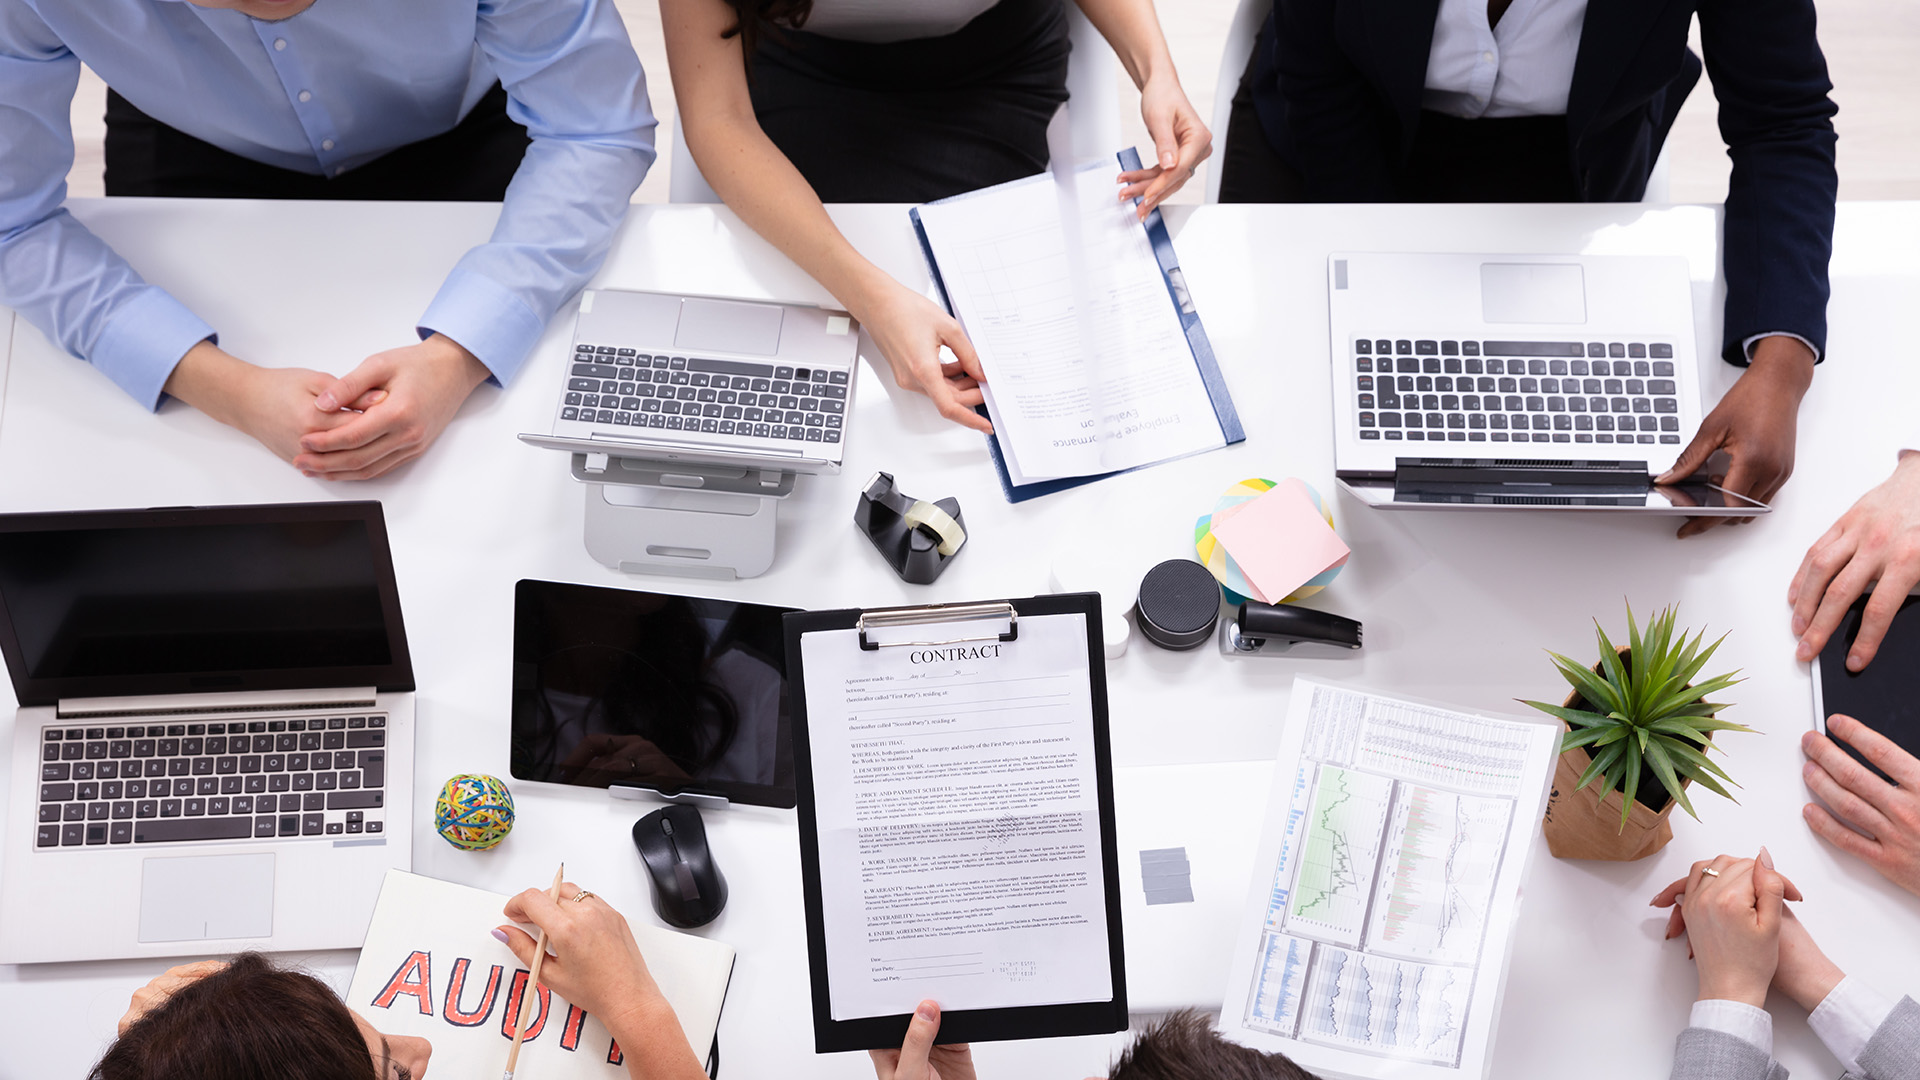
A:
[1746,347]
[144,341]
[1751,1025]
[1847,1019]
[487,319]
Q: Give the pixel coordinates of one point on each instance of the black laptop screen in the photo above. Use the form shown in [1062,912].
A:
[178,604]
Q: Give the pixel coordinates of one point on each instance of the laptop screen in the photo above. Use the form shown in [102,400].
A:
[199,600]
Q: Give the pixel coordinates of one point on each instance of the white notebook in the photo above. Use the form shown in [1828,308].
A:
[432,968]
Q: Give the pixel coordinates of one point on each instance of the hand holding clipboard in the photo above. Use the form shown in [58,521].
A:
[956,821]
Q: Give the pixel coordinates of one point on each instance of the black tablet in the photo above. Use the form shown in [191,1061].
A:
[1886,696]
[674,694]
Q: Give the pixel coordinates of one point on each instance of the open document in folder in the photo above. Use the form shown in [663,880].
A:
[1375,938]
[1095,358]
[956,821]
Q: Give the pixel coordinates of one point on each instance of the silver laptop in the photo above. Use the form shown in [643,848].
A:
[707,381]
[214,745]
[1467,381]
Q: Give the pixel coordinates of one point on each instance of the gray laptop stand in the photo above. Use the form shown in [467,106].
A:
[704,521]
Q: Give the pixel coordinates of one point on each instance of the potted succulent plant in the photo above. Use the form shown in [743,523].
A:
[1639,728]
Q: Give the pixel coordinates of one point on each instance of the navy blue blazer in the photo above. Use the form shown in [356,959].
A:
[1337,85]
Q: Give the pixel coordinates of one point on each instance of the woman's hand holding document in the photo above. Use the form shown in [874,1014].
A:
[1090,365]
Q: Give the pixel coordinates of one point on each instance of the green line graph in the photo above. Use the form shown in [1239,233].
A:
[1335,879]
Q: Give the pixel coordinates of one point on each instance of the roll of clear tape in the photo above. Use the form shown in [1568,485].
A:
[942,523]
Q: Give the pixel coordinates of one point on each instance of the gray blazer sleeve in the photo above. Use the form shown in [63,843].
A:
[1894,1051]
[1704,1054]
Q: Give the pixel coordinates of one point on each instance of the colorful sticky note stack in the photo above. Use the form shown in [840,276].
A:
[1271,542]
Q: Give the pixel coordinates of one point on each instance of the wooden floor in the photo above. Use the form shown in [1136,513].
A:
[1872,47]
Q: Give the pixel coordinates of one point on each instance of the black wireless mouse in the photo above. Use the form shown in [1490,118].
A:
[688,888]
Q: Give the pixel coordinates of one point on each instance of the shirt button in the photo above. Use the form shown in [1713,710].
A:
[280,44]
[341,171]
[1487,56]
[306,95]
[326,144]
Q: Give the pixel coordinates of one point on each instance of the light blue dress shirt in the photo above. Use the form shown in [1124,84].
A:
[329,89]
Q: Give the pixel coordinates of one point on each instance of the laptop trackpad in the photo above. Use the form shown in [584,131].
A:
[1533,293]
[729,326]
[207,896]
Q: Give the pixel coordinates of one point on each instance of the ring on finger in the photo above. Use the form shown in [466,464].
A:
[581,895]
[1709,871]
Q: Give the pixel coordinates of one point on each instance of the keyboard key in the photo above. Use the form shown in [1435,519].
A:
[1636,350]
[312,800]
[57,771]
[1665,405]
[289,824]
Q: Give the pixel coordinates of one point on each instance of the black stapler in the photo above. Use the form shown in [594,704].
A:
[1284,630]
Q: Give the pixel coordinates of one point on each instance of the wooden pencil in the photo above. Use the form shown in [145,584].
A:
[533,976]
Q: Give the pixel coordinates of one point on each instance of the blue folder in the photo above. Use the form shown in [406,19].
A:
[1177,294]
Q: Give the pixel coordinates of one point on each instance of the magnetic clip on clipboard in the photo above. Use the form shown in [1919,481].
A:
[937,613]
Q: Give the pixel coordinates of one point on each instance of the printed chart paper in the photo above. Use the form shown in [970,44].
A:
[1375,940]
[957,809]
[1088,368]
[432,968]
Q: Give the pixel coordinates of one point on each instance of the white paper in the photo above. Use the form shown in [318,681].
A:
[958,819]
[1088,368]
[431,967]
[1375,940]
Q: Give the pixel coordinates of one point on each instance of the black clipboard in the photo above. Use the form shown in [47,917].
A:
[960,1025]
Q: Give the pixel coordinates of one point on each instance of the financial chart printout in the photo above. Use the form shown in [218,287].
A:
[1388,877]
[957,809]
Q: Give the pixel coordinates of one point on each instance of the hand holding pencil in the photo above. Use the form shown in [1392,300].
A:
[586,954]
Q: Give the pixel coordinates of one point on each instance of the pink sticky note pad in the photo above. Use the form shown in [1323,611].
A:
[1280,541]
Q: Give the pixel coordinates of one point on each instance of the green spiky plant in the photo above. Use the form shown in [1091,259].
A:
[1645,712]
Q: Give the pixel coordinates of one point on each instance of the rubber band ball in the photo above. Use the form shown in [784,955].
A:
[474,811]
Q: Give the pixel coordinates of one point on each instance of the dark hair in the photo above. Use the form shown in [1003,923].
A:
[249,1021]
[754,17]
[1184,1046]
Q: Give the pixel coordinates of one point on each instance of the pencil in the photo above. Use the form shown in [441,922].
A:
[533,976]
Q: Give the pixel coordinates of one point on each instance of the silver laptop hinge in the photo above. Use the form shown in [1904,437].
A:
[336,697]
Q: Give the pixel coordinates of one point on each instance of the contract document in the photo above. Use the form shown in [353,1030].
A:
[1089,362]
[956,804]
[1375,939]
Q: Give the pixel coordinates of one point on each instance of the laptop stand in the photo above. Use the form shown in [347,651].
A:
[656,517]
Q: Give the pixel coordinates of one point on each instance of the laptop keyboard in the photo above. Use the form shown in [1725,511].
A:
[243,779]
[627,388]
[1430,390]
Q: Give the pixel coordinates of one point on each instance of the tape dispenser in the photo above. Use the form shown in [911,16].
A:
[917,537]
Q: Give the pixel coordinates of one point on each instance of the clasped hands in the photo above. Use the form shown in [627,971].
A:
[373,419]
[1742,936]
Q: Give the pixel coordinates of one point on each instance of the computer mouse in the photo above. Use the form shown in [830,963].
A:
[688,888]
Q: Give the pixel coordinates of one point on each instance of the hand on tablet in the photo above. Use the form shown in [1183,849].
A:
[1755,424]
[910,329]
[424,385]
[1876,541]
[1864,815]
[918,1058]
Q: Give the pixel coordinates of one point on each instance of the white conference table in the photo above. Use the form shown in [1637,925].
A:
[1457,606]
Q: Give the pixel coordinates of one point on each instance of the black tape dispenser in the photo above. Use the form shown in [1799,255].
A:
[917,537]
[1284,630]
